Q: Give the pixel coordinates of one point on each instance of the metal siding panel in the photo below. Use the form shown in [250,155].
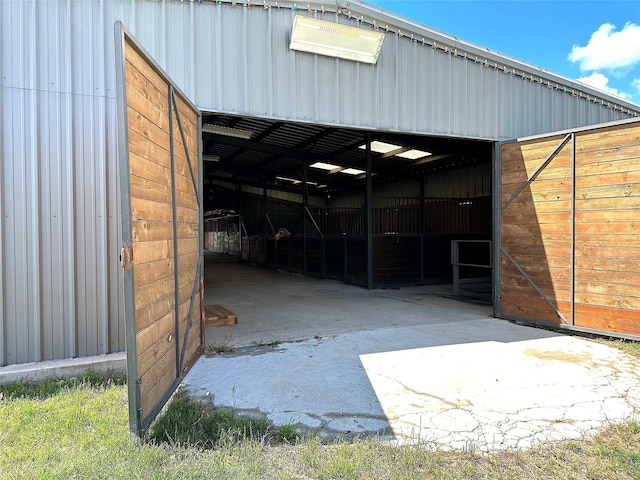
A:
[443,80]
[85,44]
[457,92]
[386,74]
[474,112]
[231,75]
[115,280]
[18,34]
[283,83]
[50,217]
[20,218]
[90,217]
[58,198]
[407,87]
[502,103]
[259,74]
[304,90]
[180,45]
[424,90]
[326,78]
[399,188]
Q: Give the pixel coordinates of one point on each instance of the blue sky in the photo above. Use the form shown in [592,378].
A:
[597,42]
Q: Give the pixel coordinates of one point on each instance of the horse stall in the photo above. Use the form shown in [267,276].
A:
[223,232]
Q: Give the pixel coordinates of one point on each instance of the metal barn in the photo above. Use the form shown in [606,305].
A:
[251,120]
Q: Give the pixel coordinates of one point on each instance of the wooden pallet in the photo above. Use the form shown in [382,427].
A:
[216,315]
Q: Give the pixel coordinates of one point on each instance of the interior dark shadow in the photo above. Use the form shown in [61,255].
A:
[293,197]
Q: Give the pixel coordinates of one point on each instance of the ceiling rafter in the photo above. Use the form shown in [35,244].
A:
[309,141]
[260,159]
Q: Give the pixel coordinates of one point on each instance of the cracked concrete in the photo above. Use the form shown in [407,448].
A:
[567,390]
[482,393]
[406,365]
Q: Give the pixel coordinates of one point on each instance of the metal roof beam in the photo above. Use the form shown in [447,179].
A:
[260,147]
[318,136]
[291,188]
[240,151]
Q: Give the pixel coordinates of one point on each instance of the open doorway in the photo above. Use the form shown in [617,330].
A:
[300,192]
[293,197]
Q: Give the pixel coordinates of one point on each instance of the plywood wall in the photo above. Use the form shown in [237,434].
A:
[568,243]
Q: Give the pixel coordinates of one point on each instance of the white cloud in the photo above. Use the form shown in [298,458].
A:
[601,82]
[636,84]
[609,49]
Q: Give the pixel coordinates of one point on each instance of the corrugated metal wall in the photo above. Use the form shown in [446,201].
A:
[59,275]
[467,182]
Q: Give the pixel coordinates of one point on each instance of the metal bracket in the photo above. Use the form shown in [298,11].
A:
[139,403]
[126,257]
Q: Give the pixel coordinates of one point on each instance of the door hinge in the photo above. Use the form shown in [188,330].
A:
[126,257]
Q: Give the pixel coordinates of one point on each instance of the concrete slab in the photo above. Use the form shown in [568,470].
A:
[411,366]
[483,384]
[67,367]
[279,306]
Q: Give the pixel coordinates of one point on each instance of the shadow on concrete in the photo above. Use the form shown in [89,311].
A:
[406,364]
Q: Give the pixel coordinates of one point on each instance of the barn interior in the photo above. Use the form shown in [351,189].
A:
[296,197]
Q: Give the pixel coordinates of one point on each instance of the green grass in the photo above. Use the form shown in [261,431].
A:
[227,345]
[187,422]
[50,387]
[77,428]
[274,343]
[631,348]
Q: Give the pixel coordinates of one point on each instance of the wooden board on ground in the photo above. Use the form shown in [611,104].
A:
[217,315]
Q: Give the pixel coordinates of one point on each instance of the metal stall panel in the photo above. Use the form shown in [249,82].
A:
[568,205]
[159,141]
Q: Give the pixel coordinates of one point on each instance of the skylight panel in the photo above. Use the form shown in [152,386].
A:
[352,171]
[381,147]
[324,166]
[413,154]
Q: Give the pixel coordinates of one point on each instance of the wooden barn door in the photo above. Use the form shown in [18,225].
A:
[535,230]
[161,209]
[566,240]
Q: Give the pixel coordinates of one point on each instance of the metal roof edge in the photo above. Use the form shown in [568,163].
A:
[359,9]
[455,42]
[586,128]
[206,110]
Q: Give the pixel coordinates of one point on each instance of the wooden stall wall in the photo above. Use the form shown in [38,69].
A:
[568,216]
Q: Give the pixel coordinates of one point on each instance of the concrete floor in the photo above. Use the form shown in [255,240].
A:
[410,365]
[279,306]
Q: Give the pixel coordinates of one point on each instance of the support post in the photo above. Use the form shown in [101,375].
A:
[305,205]
[369,215]
[264,200]
[421,226]
[455,261]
